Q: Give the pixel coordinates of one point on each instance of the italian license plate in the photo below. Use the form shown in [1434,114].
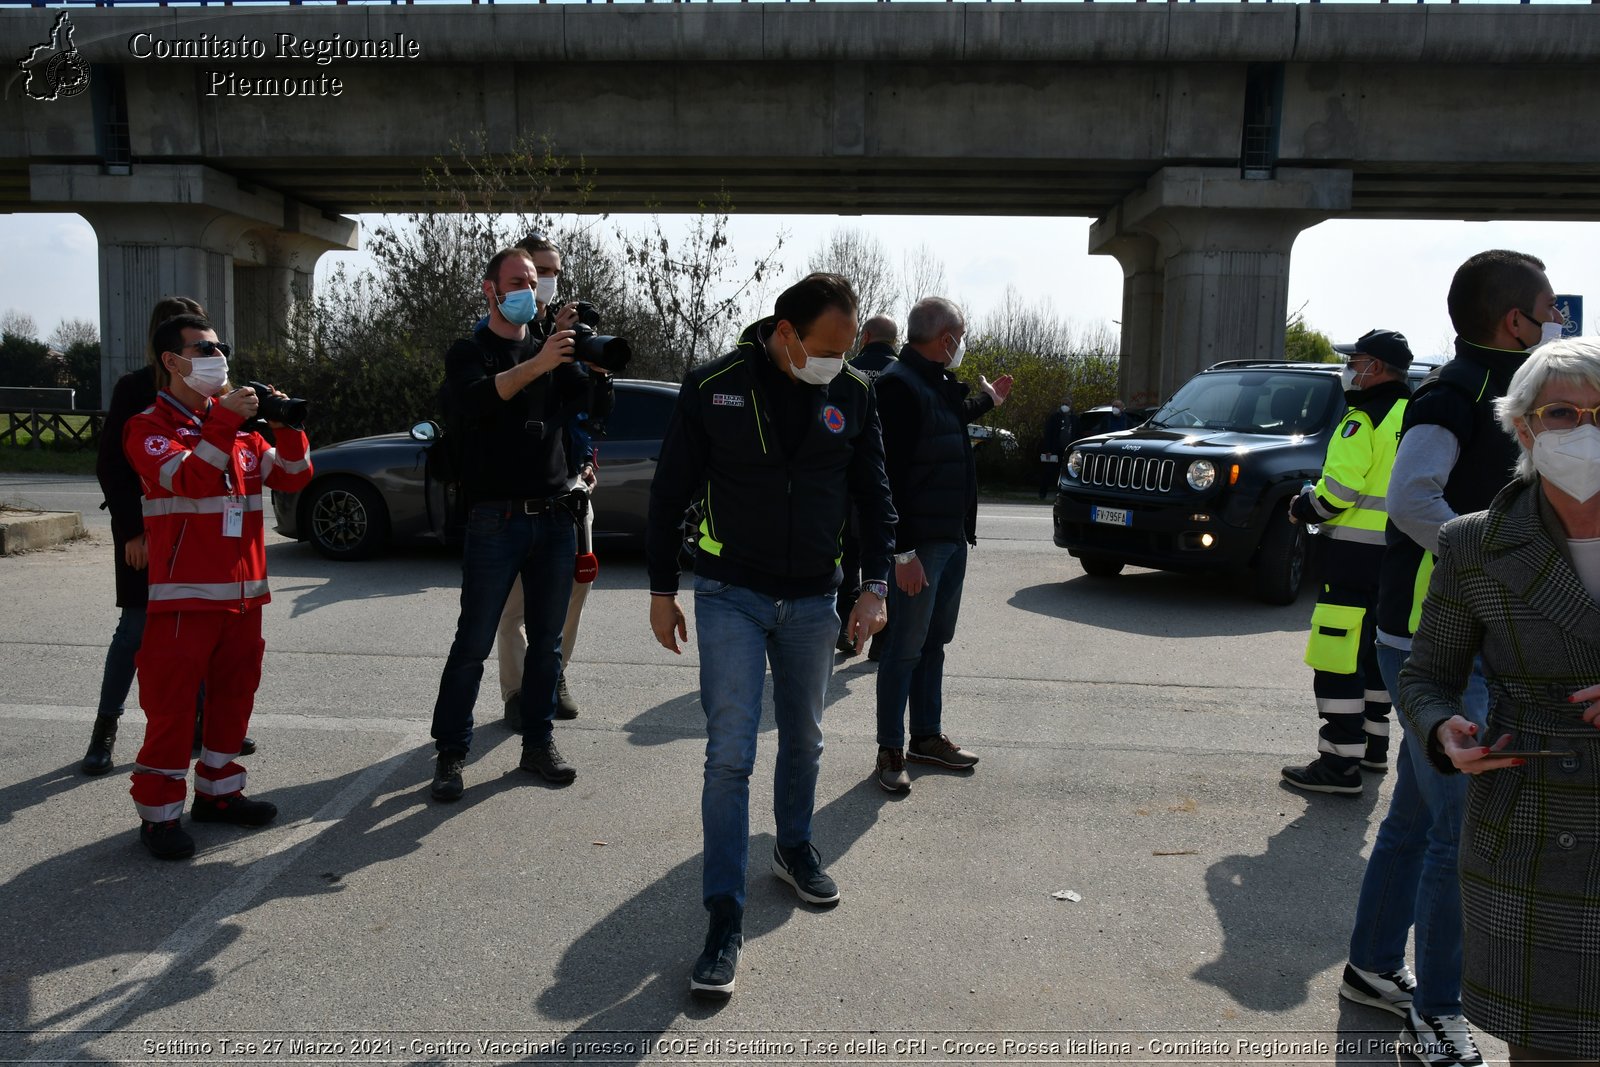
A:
[1111,516]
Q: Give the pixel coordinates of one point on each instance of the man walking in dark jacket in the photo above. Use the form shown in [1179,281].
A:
[928,457]
[775,440]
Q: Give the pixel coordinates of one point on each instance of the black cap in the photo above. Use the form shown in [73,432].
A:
[1385,346]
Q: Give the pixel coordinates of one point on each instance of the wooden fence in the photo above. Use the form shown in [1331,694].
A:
[39,428]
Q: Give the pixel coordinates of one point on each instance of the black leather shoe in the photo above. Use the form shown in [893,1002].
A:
[166,840]
[546,761]
[447,785]
[98,759]
[238,809]
[247,747]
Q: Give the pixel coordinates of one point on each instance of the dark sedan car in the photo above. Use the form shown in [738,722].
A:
[373,492]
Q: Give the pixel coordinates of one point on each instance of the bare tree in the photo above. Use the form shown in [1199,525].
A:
[70,332]
[694,290]
[921,274]
[19,324]
[862,259]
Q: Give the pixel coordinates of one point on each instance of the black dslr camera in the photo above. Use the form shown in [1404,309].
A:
[288,410]
[590,346]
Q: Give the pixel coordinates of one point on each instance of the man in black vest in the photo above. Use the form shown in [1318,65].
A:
[925,411]
[1453,459]
[776,440]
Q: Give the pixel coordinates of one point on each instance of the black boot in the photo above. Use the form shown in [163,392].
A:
[98,759]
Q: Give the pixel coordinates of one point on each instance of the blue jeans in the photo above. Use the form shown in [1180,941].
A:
[119,672]
[1411,876]
[501,544]
[912,669]
[741,631]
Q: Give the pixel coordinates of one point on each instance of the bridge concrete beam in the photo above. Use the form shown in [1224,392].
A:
[1222,243]
[246,254]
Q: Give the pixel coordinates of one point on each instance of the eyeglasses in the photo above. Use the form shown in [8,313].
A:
[1563,416]
[211,348]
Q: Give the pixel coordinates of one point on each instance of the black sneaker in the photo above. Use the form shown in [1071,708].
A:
[801,867]
[1318,777]
[237,809]
[713,972]
[1377,758]
[513,719]
[97,760]
[166,840]
[1440,1040]
[566,707]
[447,786]
[1390,990]
[546,761]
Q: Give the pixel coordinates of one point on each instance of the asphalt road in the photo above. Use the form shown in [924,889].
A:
[1131,732]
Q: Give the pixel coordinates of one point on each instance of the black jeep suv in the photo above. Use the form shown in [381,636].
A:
[1205,484]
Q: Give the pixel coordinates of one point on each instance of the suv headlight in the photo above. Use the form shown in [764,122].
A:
[1202,474]
[1075,463]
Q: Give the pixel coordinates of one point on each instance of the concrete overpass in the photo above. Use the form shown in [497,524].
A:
[1202,137]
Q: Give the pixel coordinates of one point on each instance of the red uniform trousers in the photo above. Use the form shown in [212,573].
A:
[181,649]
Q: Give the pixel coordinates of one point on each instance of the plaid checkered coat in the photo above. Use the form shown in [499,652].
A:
[1530,847]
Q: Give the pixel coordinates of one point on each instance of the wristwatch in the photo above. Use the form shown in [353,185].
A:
[879,589]
[903,558]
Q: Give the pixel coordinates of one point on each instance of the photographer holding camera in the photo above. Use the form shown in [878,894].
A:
[517,390]
[202,470]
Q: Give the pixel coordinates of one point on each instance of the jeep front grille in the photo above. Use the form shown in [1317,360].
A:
[1146,474]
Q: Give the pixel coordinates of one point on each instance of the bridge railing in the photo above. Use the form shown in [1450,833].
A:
[424,3]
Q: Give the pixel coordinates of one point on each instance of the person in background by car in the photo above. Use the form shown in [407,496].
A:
[1060,430]
[1348,505]
[1117,420]
[133,392]
[879,335]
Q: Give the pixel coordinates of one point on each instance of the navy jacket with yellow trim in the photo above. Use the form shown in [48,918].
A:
[774,465]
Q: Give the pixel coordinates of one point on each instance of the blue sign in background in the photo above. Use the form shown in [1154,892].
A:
[1571,308]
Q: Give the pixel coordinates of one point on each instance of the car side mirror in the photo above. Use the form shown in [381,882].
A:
[425,431]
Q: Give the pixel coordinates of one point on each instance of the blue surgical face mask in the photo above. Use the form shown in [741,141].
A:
[517,307]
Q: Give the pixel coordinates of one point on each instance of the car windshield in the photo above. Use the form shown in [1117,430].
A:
[1258,402]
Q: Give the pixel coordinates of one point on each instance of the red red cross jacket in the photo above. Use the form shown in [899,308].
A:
[203,521]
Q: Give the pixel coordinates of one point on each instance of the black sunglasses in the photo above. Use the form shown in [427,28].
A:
[210,348]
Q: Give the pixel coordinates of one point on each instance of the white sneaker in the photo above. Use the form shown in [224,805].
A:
[1441,1040]
[1389,990]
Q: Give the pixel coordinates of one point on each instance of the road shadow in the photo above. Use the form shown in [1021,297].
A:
[19,796]
[88,909]
[627,977]
[1163,604]
[1286,913]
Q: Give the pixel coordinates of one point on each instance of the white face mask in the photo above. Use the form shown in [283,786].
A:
[1570,460]
[544,290]
[207,374]
[817,371]
[960,354]
[1550,331]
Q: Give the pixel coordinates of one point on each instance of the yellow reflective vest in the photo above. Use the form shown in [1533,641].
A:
[1353,491]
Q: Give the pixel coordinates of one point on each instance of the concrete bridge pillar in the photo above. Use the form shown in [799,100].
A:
[186,230]
[1143,288]
[1223,245]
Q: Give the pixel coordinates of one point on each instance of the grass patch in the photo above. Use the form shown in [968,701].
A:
[46,461]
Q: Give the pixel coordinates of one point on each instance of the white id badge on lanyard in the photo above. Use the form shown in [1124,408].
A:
[233,518]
